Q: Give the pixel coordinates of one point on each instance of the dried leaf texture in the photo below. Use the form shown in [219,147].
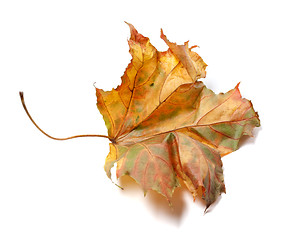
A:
[165,124]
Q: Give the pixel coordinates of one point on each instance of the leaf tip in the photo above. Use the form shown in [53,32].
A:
[237,85]
[164,37]
[162,33]
[205,210]
[133,31]
[130,25]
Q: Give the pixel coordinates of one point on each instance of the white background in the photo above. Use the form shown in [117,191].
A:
[55,50]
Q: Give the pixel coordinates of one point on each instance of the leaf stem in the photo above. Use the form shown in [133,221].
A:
[61,139]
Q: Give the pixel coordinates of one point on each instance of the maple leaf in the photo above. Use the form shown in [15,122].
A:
[165,124]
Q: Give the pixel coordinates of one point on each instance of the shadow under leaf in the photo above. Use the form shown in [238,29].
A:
[158,203]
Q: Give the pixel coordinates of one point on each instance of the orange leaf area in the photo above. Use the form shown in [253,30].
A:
[165,124]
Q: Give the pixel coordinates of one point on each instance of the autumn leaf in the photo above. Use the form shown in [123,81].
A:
[164,124]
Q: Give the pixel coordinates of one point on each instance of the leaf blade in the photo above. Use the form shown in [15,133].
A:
[163,123]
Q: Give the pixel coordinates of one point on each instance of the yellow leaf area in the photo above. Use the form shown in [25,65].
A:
[164,124]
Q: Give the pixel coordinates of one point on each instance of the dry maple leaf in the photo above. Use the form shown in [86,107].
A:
[164,124]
